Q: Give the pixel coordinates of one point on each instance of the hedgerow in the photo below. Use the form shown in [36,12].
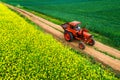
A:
[28,53]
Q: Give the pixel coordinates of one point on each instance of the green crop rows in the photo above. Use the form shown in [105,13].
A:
[101,16]
[27,53]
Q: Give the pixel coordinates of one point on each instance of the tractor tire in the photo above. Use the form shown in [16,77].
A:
[68,36]
[81,45]
[91,42]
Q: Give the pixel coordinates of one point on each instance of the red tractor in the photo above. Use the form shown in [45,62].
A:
[72,31]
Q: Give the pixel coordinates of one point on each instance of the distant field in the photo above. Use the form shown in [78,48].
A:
[28,53]
[100,16]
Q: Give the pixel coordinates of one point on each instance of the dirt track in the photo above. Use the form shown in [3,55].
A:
[56,31]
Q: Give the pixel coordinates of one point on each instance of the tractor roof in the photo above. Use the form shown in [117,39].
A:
[74,23]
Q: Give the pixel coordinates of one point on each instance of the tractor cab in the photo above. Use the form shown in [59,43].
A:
[75,25]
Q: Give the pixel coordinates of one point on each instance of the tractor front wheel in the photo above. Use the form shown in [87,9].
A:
[91,42]
[81,45]
[68,36]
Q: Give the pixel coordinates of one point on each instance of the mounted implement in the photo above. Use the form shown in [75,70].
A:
[73,31]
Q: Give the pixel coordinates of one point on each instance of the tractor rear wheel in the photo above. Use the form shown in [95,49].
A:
[68,36]
[91,42]
[81,45]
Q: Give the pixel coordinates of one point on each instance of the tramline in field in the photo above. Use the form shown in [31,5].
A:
[73,31]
